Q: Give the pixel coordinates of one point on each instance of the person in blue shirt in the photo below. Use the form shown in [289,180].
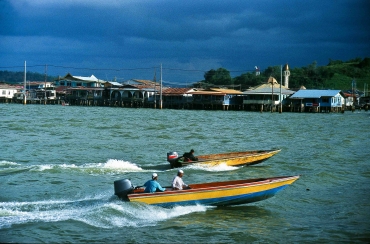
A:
[152,185]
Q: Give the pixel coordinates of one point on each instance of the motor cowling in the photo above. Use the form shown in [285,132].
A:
[172,156]
[122,188]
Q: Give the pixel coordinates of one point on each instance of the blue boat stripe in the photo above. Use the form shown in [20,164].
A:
[230,200]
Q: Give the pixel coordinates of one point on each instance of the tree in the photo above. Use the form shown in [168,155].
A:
[248,80]
[365,63]
[335,75]
[334,62]
[220,76]
[208,76]
[273,71]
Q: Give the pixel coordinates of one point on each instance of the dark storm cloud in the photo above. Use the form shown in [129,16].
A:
[199,35]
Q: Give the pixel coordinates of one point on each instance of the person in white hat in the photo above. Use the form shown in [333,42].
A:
[177,183]
[152,185]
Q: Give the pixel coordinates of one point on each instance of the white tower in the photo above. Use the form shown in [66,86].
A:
[257,70]
[286,75]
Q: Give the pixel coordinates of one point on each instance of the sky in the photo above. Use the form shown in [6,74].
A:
[132,39]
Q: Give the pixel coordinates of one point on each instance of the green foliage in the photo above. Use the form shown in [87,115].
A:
[248,80]
[334,62]
[220,76]
[364,63]
[336,75]
[273,71]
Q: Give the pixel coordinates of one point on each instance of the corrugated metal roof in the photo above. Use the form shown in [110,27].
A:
[176,91]
[267,90]
[141,82]
[144,86]
[227,91]
[314,94]
[346,94]
[266,86]
[216,91]
[115,83]
[9,86]
[92,78]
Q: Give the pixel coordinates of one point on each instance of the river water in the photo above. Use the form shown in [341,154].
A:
[58,165]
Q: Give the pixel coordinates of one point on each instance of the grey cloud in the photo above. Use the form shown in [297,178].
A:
[235,34]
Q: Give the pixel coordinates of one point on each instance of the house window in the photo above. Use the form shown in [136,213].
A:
[325,100]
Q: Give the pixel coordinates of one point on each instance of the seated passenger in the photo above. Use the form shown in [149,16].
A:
[152,185]
[177,183]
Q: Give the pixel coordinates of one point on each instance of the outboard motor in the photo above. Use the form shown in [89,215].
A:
[122,188]
[172,156]
[173,159]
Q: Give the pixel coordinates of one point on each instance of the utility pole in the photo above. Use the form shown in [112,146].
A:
[24,85]
[46,70]
[155,89]
[272,95]
[281,80]
[353,94]
[160,98]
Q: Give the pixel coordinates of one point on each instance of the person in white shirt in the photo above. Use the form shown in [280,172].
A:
[177,183]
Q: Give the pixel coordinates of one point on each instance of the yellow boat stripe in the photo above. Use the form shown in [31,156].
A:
[214,192]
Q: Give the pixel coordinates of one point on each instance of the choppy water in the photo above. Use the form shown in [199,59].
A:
[58,164]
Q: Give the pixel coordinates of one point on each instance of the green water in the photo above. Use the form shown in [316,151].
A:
[58,164]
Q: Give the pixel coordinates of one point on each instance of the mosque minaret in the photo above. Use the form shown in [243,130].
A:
[286,76]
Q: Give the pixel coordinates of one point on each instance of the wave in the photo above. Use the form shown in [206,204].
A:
[217,168]
[110,166]
[4,163]
[103,212]
[7,168]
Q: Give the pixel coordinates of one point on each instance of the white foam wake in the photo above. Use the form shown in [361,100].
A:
[101,213]
[111,165]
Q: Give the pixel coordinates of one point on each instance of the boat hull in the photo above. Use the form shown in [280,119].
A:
[233,158]
[217,194]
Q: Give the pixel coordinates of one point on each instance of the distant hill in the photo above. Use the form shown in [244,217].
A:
[343,73]
[336,75]
[18,77]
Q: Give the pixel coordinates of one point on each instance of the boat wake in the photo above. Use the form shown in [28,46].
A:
[110,166]
[104,212]
[211,168]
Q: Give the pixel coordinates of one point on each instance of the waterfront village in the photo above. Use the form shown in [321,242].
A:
[270,96]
